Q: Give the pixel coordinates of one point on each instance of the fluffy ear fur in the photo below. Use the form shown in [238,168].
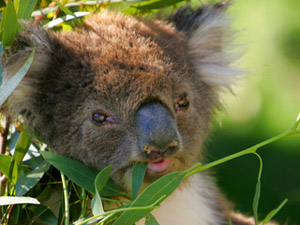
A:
[208,31]
[20,101]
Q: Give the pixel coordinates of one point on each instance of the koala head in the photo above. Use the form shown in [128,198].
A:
[121,90]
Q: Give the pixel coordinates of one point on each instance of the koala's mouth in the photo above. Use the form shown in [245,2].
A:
[159,166]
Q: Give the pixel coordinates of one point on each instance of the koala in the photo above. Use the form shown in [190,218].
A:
[120,90]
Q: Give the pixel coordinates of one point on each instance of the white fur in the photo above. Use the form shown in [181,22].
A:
[207,46]
[193,204]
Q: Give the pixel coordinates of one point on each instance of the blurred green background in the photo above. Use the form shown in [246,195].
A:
[267,102]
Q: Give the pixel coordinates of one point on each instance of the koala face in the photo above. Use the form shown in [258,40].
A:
[121,90]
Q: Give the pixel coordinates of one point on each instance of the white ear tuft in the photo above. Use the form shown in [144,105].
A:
[208,47]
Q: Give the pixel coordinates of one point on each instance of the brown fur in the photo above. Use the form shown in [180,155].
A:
[115,64]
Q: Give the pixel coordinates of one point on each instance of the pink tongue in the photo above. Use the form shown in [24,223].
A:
[159,166]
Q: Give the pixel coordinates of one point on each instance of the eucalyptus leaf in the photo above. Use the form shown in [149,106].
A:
[25,9]
[11,85]
[10,25]
[30,179]
[138,173]
[79,173]
[100,181]
[160,188]
[44,214]
[148,6]
[5,161]
[12,200]
[1,50]
[274,212]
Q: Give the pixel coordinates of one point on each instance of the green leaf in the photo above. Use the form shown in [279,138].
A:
[44,214]
[274,212]
[160,188]
[1,50]
[14,217]
[5,161]
[150,220]
[22,146]
[256,201]
[10,25]
[12,200]
[100,181]
[257,190]
[79,173]
[16,79]
[63,8]
[25,9]
[149,6]
[30,179]
[138,173]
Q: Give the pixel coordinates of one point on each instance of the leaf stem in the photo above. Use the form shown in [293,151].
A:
[152,206]
[198,168]
[66,199]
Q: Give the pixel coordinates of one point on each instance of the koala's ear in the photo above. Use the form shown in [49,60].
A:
[208,32]
[13,58]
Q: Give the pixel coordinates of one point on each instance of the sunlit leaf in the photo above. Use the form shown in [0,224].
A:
[63,8]
[1,50]
[138,173]
[12,200]
[28,180]
[25,9]
[160,188]
[149,6]
[10,86]
[100,181]
[10,25]
[5,161]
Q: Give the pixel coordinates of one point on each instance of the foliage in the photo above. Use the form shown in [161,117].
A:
[25,165]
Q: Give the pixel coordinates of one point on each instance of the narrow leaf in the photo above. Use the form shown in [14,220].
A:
[10,25]
[5,161]
[25,9]
[63,8]
[30,179]
[138,173]
[274,212]
[1,50]
[16,79]
[22,147]
[79,173]
[160,188]
[149,6]
[44,214]
[100,181]
[256,201]
[12,200]
[102,178]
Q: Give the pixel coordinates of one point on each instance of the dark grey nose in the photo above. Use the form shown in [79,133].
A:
[156,130]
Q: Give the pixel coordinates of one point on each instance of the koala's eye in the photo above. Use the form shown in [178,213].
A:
[182,102]
[100,118]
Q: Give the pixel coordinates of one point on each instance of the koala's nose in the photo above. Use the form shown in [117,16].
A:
[156,131]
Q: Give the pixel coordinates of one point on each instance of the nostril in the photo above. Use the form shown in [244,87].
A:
[173,147]
[155,153]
